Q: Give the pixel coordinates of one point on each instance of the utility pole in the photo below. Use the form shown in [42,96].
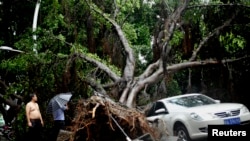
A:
[34,26]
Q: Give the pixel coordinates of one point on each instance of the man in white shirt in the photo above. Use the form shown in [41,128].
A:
[59,121]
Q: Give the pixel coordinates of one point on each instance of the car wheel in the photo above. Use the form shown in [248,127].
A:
[182,133]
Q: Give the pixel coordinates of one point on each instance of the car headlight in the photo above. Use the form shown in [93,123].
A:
[196,116]
[244,109]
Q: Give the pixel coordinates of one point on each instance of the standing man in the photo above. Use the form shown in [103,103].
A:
[59,120]
[34,119]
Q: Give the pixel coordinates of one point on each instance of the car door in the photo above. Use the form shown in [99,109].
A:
[157,112]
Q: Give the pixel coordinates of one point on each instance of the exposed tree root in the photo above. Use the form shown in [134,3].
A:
[96,119]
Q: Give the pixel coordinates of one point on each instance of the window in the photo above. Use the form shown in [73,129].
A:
[192,101]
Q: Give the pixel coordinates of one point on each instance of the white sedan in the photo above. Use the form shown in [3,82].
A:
[188,116]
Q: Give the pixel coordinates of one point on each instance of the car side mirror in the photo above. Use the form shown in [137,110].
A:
[161,111]
[217,101]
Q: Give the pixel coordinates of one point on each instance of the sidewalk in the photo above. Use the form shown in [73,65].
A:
[63,135]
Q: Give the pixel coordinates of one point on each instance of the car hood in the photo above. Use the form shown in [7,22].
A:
[217,107]
[212,108]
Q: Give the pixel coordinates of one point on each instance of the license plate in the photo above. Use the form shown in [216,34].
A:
[232,121]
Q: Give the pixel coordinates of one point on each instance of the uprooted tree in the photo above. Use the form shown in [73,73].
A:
[85,46]
[128,85]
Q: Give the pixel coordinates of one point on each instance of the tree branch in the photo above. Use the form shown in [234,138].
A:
[172,24]
[96,86]
[149,70]
[180,66]
[211,34]
[129,68]
[110,73]
[189,64]
[9,102]
[218,5]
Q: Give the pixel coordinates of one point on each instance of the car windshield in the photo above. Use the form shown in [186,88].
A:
[192,101]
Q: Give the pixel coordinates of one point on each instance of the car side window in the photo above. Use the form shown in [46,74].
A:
[156,106]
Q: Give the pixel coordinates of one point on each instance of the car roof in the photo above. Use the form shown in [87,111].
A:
[179,96]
